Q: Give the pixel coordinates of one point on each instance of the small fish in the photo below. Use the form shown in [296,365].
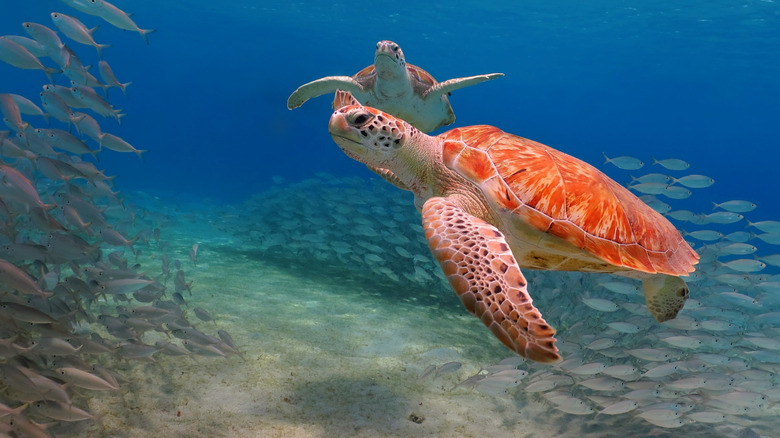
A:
[43,35]
[649,188]
[449,367]
[770,238]
[601,344]
[15,54]
[736,248]
[773,259]
[12,113]
[620,407]
[695,181]
[707,417]
[83,379]
[662,370]
[681,215]
[600,304]
[603,384]
[109,78]
[624,327]
[588,369]
[77,31]
[194,254]
[569,404]
[765,226]
[14,278]
[736,206]
[623,372]
[110,13]
[723,217]
[745,265]
[672,164]
[653,178]
[706,235]
[676,192]
[37,49]
[624,162]
[621,287]
[202,314]
[427,371]
[110,141]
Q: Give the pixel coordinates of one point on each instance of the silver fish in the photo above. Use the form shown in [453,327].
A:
[109,78]
[15,54]
[624,162]
[736,206]
[77,31]
[672,164]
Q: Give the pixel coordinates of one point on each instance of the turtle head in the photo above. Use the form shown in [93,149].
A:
[389,59]
[369,135]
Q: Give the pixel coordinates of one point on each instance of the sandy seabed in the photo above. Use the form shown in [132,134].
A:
[322,355]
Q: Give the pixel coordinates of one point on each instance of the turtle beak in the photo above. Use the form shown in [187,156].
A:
[346,136]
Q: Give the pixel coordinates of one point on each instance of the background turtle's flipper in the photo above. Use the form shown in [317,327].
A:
[451,85]
[480,267]
[322,86]
[665,295]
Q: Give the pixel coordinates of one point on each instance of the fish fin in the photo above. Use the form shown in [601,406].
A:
[480,267]
[145,32]
[100,47]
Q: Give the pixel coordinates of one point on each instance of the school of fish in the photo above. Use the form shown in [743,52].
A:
[74,302]
[712,370]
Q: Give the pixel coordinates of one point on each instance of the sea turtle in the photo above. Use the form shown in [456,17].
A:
[398,88]
[493,202]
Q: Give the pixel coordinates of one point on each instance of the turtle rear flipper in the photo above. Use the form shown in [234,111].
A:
[665,295]
[480,267]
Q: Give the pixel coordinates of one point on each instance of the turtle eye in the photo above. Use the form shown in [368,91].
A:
[360,118]
[395,47]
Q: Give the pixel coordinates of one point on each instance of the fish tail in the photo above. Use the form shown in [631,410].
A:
[606,158]
[100,47]
[140,153]
[145,32]
[123,86]
[50,71]
[654,161]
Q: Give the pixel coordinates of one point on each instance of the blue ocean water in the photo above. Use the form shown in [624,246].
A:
[696,81]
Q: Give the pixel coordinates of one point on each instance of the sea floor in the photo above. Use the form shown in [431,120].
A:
[326,352]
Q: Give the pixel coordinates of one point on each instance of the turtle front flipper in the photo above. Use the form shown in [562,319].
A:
[389,176]
[480,266]
[665,295]
[451,85]
[322,86]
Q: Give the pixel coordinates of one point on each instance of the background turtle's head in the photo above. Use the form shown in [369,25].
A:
[367,134]
[389,59]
